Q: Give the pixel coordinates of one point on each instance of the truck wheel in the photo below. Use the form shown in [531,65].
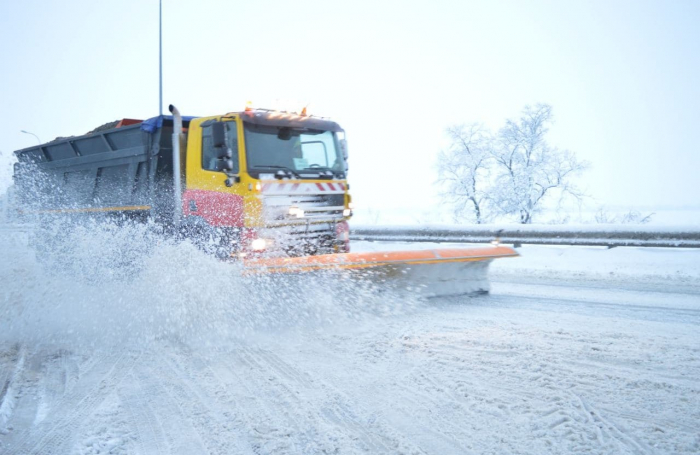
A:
[200,233]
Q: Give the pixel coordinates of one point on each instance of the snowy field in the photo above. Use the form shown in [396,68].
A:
[576,350]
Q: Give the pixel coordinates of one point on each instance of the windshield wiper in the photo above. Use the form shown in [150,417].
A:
[320,169]
[281,168]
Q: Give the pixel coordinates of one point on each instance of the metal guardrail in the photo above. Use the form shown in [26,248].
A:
[584,235]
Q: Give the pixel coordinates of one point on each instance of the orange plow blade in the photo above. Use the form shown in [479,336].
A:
[432,273]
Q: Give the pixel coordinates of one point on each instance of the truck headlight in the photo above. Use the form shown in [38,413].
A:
[296,211]
[258,244]
[347,212]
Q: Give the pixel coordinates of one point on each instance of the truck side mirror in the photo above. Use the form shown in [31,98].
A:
[218,134]
[225,153]
[224,165]
[344,147]
[231,180]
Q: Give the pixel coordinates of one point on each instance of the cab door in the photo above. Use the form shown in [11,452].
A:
[213,190]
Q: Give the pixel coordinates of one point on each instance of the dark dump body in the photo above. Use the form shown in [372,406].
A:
[124,167]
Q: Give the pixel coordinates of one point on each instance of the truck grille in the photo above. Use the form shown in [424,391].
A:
[317,208]
[312,233]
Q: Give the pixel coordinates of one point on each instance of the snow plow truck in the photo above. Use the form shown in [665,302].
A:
[266,188]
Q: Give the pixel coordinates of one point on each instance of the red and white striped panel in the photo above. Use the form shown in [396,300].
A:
[303,188]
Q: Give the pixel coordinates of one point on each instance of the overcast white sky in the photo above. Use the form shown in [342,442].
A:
[623,78]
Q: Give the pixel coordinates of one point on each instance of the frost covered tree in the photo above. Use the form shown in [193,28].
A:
[464,171]
[512,173]
[529,169]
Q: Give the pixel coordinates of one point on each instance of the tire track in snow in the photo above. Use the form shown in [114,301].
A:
[59,373]
[317,411]
[447,418]
[168,424]
[26,385]
[265,432]
[10,366]
[451,389]
[446,435]
[592,373]
[576,423]
[214,427]
[452,371]
[595,417]
[602,364]
[656,422]
[283,406]
[52,436]
[566,420]
[7,393]
[658,375]
[267,421]
[335,406]
[151,438]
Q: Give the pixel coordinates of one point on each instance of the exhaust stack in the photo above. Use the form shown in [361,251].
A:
[177,178]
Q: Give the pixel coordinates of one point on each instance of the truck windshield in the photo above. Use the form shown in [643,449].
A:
[302,153]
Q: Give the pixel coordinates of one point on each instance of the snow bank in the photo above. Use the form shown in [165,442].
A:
[616,266]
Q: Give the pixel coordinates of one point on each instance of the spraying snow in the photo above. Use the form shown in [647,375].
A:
[108,283]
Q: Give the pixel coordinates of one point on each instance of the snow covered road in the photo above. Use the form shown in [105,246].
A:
[559,358]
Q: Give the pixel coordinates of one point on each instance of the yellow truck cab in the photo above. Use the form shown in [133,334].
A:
[278,180]
[255,182]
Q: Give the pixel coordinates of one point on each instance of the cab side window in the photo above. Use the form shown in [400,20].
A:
[210,153]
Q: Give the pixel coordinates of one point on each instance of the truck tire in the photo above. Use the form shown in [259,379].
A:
[200,233]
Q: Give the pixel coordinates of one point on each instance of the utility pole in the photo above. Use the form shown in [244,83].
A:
[160,57]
